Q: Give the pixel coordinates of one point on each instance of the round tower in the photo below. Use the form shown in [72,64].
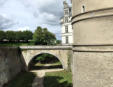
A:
[93,22]
[93,43]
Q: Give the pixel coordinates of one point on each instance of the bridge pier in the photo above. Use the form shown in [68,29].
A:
[93,43]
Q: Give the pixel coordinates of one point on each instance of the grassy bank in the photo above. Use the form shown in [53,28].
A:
[24,79]
[58,79]
[52,64]
[39,66]
[51,79]
[16,44]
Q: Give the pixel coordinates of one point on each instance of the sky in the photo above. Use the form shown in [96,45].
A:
[28,14]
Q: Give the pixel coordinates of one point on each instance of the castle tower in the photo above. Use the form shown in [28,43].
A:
[92,22]
[67,36]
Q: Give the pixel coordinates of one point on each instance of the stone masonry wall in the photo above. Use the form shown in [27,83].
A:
[10,64]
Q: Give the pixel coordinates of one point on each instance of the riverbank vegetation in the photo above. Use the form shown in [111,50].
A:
[30,43]
[51,79]
[44,61]
[15,36]
[58,79]
[24,79]
[41,36]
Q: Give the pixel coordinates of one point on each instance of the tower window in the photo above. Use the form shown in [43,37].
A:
[66,29]
[66,19]
[67,40]
[66,12]
[83,8]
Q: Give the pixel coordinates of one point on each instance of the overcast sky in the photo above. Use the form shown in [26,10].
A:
[22,14]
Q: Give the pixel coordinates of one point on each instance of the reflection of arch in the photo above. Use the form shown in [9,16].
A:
[34,56]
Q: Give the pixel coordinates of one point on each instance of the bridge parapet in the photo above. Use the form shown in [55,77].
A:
[46,47]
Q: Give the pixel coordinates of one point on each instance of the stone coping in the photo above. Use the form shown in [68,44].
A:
[93,48]
[92,15]
[45,47]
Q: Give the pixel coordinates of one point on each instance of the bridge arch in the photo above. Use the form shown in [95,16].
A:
[61,52]
[34,56]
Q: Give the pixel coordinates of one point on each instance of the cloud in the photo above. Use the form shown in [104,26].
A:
[2,2]
[23,28]
[17,14]
[50,11]
[5,22]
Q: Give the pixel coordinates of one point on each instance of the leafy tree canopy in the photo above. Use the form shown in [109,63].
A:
[42,36]
[27,35]
[2,35]
[10,35]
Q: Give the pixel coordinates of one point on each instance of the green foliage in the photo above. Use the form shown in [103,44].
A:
[19,36]
[58,79]
[10,35]
[37,36]
[43,37]
[27,35]
[46,58]
[16,36]
[24,79]
[2,35]
[58,42]
[30,43]
[24,36]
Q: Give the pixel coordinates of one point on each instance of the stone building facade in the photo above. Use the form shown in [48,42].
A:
[67,31]
[92,22]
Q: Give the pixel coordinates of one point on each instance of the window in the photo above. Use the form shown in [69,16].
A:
[67,40]
[66,29]
[66,19]
[66,12]
[83,8]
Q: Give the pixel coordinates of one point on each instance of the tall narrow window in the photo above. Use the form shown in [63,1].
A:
[66,12]
[66,19]
[66,29]
[67,40]
[83,8]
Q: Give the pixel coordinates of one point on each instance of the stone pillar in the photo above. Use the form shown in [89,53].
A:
[93,43]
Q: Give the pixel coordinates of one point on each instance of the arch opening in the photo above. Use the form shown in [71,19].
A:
[44,61]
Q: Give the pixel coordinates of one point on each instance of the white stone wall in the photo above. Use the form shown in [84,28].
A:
[70,39]
[63,40]
[69,34]
[65,34]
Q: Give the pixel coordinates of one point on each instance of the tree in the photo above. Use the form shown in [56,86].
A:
[37,36]
[10,35]
[58,42]
[27,35]
[2,35]
[18,36]
[43,37]
[49,38]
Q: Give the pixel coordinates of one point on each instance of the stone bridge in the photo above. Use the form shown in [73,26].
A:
[63,53]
